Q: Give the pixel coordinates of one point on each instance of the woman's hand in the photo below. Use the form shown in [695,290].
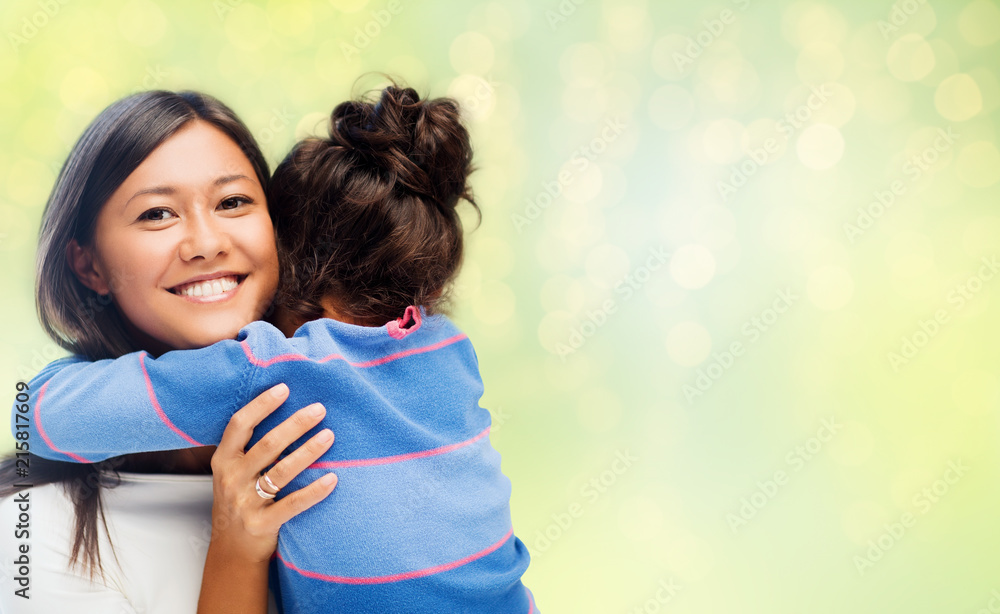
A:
[245,525]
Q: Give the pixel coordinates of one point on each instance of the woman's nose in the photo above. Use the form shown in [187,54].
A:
[204,239]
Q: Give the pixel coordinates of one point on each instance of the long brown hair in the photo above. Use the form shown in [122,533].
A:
[367,216]
[77,318]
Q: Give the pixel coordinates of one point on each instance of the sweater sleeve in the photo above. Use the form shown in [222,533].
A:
[85,412]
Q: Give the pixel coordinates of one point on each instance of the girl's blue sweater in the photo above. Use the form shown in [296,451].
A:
[420,519]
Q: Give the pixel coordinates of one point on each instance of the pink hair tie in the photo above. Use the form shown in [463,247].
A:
[397,328]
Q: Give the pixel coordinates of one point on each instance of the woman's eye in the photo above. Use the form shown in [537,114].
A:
[157,215]
[234,202]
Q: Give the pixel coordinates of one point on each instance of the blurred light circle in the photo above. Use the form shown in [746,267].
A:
[979,23]
[669,58]
[830,288]
[838,108]
[142,23]
[884,99]
[820,146]
[476,96]
[958,98]
[471,52]
[554,330]
[248,27]
[83,90]
[584,185]
[805,23]
[979,165]
[692,266]
[583,65]
[729,80]
[819,63]
[910,58]
[688,344]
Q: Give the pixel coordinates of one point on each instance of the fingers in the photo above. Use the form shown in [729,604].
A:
[265,451]
[301,500]
[287,468]
[241,425]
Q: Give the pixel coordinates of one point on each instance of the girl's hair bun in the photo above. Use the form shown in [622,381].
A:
[420,145]
[368,215]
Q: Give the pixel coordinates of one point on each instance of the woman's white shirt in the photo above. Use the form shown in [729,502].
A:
[160,527]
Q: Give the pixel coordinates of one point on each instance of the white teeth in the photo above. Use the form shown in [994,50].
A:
[212,287]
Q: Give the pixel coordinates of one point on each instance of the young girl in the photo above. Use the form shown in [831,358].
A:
[369,240]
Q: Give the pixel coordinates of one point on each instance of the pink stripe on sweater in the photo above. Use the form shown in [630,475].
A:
[258,362]
[409,575]
[41,431]
[386,460]
[156,404]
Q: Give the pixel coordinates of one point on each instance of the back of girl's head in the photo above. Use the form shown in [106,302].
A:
[111,147]
[367,218]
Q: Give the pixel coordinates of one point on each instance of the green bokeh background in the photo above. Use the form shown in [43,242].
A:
[591,350]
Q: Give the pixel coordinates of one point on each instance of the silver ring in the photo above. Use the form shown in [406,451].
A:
[263,493]
[267,479]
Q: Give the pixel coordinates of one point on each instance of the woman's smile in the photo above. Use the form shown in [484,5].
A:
[211,288]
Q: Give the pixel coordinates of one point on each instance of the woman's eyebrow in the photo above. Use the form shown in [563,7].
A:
[167,190]
[162,189]
[229,179]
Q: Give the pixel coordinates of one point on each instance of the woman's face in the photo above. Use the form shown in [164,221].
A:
[185,245]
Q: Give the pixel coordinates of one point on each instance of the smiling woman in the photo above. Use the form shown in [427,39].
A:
[157,236]
[188,233]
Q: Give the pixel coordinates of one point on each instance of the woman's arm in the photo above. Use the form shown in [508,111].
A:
[82,411]
[244,525]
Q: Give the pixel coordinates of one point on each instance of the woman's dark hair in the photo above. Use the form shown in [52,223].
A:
[78,319]
[367,217]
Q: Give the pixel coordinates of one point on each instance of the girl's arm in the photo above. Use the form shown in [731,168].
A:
[83,411]
[244,526]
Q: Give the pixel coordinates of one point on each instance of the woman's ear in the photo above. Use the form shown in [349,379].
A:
[81,261]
